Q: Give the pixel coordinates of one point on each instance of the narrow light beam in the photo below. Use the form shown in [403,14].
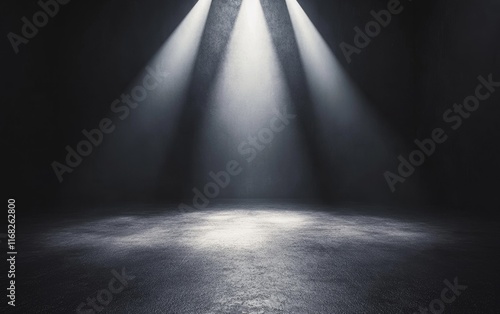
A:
[178,55]
[249,90]
[176,60]
[347,125]
[142,138]
[325,77]
[251,82]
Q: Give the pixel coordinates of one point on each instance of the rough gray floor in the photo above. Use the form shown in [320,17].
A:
[279,258]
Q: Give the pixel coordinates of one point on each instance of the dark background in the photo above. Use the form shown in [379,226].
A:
[428,58]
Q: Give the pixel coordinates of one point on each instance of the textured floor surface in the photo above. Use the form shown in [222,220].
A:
[254,258]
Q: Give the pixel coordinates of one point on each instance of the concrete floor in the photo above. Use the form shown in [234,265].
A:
[254,258]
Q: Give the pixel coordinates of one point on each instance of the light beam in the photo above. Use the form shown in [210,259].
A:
[347,125]
[249,90]
[135,152]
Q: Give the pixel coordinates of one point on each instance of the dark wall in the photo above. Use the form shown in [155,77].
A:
[426,59]
[457,42]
